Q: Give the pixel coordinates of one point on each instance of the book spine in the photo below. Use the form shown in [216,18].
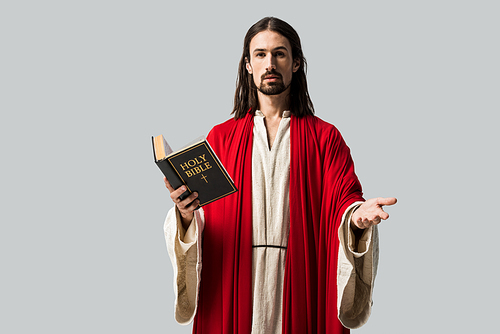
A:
[172,177]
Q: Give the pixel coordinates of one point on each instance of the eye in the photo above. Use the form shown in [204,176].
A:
[260,55]
[280,54]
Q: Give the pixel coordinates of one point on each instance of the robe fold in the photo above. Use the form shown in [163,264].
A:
[322,186]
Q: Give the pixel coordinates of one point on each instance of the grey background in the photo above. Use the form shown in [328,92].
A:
[412,85]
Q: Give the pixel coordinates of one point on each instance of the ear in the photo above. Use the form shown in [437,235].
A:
[295,65]
[248,66]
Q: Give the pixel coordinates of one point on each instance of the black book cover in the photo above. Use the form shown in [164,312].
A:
[200,170]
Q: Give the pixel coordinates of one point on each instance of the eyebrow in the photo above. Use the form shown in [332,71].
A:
[276,48]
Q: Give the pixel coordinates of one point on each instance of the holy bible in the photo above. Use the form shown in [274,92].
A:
[196,166]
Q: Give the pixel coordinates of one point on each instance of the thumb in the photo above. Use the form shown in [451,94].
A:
[387,201]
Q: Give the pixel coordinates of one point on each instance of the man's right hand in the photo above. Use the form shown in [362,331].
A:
[186,207]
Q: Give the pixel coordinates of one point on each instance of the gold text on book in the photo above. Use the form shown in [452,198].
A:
[195,166]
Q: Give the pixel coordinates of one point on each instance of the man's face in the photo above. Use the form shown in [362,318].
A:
[271,62]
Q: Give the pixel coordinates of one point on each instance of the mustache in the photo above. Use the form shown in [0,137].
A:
[271,72]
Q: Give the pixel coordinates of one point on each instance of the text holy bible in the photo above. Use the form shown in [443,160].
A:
[195,166]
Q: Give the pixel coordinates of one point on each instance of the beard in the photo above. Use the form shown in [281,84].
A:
[274,87]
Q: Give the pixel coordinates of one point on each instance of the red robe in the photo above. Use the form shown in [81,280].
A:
[322,186]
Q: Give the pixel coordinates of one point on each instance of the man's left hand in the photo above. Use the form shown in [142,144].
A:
[371,213]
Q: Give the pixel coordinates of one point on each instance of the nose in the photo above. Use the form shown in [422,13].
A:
[271,63]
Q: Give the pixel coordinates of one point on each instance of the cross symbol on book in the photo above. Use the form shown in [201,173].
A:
[204,178]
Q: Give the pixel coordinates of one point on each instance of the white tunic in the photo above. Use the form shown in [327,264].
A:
[271,222]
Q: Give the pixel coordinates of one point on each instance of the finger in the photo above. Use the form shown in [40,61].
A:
[174,195]
[193,205]
[367,223]
[381,214]
[168,185]
[359,224]
[185,203]
[387,201]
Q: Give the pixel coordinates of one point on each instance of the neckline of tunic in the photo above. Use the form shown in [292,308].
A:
[282,129]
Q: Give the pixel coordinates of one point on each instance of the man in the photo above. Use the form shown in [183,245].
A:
[295,249]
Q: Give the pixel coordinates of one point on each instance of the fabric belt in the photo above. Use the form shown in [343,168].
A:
[272,246]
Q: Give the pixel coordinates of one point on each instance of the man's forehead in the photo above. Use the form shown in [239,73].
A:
[269,40]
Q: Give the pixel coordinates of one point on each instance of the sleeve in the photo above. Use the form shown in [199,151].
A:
[184,250]
[357,268]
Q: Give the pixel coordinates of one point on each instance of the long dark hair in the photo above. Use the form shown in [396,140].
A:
[245,97]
